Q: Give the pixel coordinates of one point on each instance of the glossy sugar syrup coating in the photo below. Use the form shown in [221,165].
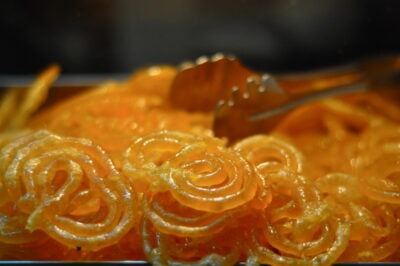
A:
[118,173]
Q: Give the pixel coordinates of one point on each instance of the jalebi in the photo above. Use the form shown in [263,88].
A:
[118,172]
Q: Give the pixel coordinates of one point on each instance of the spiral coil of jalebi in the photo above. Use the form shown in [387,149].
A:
[117,173]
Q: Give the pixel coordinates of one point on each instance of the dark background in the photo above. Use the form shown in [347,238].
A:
[114,36]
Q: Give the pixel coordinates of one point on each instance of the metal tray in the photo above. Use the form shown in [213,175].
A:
[129,262]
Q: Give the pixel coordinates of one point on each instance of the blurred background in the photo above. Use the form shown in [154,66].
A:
[118,36]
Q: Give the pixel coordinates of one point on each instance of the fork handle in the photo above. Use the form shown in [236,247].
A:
[341,90]
[371,67]
[374,74]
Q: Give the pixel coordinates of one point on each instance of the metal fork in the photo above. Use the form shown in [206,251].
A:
[259,102]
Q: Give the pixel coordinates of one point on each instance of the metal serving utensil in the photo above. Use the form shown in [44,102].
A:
[199,85]
[263,102]
[248,102]
[262,105]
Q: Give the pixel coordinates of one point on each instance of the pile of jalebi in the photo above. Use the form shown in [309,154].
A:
[116,173]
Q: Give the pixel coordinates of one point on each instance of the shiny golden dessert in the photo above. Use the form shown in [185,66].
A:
[119,173]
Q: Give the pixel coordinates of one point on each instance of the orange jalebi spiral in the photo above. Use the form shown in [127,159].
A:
[296,222]
[262,253]
[373,224]
[162,249]
[382,242]
[327,133]
[343,194]
[379,168]
[281,164]
[69,188]
[122,174]
[199,172]
[170,217]
[12,220]
[114,116]
[270,154]
[13,227]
